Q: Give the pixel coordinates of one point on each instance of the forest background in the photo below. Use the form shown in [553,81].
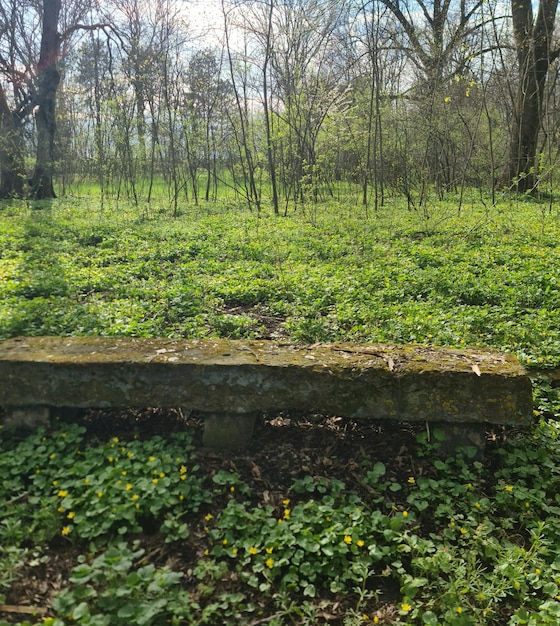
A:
[277,102]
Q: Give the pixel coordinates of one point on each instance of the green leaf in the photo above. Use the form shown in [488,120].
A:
[81,611]
[430,618]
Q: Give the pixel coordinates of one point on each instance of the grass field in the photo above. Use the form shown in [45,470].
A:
[433,541]
[482,278]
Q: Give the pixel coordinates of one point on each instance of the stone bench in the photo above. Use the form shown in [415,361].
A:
[231,382]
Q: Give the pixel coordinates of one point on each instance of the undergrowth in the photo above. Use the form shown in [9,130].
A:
[479,279]
[457,545]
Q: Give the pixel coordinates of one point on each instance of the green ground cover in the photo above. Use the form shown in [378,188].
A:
[489,279]
[460,542]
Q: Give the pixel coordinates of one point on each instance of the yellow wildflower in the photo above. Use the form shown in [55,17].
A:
[253,550]
[269,562]
[411,480]
[128,486]
[347,539]
[62,493]
[360,543]
[405,607]
[71,515]
[65,531]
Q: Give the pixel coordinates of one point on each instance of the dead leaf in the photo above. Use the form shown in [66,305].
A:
[476,369]
[255,470]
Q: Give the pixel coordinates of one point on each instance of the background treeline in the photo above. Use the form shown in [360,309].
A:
[279,102]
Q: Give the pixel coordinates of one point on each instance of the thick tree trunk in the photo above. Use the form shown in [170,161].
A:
[533,40]
[521,173]
[48,78]
[12,173]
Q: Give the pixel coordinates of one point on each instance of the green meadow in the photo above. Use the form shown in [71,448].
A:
[481,278]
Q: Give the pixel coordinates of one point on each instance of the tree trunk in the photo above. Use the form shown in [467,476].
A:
[269,146]
[533,46]
[48,79]
[12,172]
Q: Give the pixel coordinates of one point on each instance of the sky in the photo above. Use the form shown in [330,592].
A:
[205,14]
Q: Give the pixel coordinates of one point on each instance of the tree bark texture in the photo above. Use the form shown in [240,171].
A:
[12,171]
[533,40]
[48,79]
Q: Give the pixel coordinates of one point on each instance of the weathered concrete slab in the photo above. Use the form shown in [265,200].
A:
[411,383]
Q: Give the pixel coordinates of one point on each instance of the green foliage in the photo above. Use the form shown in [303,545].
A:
[56,484]
[468,280]
[117,587]
[319,543]
[461,546]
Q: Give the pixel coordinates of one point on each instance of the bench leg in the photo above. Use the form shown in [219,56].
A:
[25,418]
[462,435]
[228,430]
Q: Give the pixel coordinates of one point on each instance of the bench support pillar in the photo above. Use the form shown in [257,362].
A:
[26,418]
[461,435]
[228,430]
